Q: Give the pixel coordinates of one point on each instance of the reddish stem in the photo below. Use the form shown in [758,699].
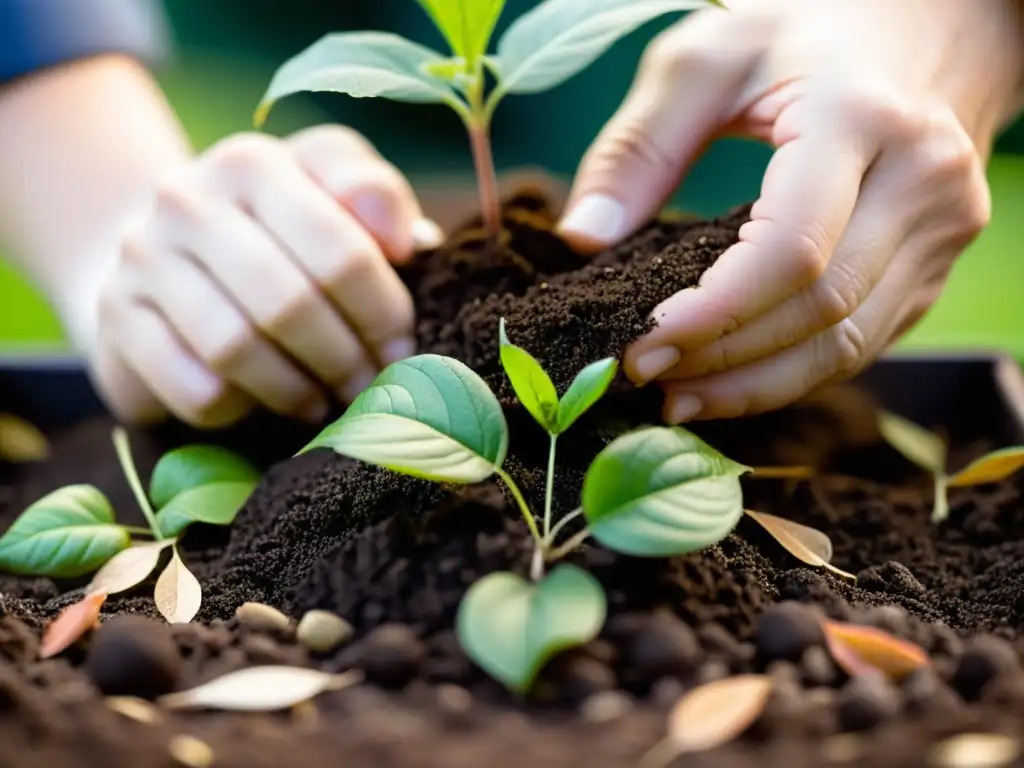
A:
[487,179]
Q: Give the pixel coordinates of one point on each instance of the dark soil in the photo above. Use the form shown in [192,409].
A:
[393,556]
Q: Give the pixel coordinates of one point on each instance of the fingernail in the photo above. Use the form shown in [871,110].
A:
[426,235]
[683,408]
[397,349]
[375,212]
[652,364]
[314,412]
[352,388]
[596,217]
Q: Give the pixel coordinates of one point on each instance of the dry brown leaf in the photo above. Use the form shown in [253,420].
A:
[783,473]
[711,715]
[178,594]
[861,650]
[134,708]
[260,689]
[128,567]
[807,544]
[975,750]
[72,623]
[990,468]
[190,751]
[20,441]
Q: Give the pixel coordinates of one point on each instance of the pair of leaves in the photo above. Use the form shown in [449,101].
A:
[541,49]
[537,393]
[177,593]
[929,451]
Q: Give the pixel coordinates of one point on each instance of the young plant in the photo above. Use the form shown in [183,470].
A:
[653,492]
[929,451]
[72,531]
[541,49]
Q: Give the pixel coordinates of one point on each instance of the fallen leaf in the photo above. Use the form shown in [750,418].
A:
[128,567]
[72,622]
[783,473]
[134,708]
[178,594]
[917,444]
[807,544]
[190,751]
[260,689]
[20,441]
[990,468]
[711,715]
[861,650]
[975,750]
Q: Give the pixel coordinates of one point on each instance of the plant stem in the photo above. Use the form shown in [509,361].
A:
[569,546]
[124,455]
[549,489]
[562,523]
[134,529]
[783,473]
[523,506]
[479,126]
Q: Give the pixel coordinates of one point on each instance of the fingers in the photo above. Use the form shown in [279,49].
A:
[687,81]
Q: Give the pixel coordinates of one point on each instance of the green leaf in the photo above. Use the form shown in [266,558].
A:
[214,503]
[559,38]
[586,389]
[511,627]
[427,416]
[362,65]
[65,534]
[194,465]
[531,383]
[917,444]
[467,25]
[661,491]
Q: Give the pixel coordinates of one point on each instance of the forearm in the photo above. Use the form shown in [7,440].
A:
[81,148]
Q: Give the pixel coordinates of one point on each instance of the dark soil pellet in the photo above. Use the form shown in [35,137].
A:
[133,656]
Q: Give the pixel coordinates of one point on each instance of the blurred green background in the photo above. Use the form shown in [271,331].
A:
[226,52]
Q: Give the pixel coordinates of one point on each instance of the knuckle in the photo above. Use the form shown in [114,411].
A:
[357,265]
[850,349]
[241,155]
[877,110]
[177,201]
[807,255]
[330,139]
[288,311]
[833,299]
[632,143]
[225,352]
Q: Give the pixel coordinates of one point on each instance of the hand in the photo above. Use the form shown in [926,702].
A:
[260,274]
[882,114]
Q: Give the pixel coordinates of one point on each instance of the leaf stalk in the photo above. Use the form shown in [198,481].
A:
[131,474]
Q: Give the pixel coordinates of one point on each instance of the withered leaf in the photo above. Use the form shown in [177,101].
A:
[990,468]
[72,623]
[128,567]
[260,689]
[178,595]
[861,650]
[807,544]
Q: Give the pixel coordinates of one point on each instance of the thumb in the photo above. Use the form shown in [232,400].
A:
[682,95]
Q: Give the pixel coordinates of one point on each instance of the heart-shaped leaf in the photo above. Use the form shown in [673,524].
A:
[71,623]
[178,595]
[216,504]
[552,42]
[65,534]
[530,382]
[363,65]
[128,567]
[586,389]
[427,416]
[21,441]
[803,542]
[990,468]
[259,689]
[867,650]
[511,627]
[661,491]
[466,24]
[188,467]
[917,444]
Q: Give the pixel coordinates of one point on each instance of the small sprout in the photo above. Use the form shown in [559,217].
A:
[190,751]
[861,650]
[262,618]
[511,627]
[711,715]
[134,708]
[128,567]
[71,624]
[260,689]
[917,444]
[178,595]
[20,441]
[975,750]
[806,544]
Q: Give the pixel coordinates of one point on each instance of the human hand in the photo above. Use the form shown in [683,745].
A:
[260,274]
[882,114]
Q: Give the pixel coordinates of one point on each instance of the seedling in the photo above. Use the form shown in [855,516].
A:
[930,452]
[72,531]
[652,492]
[541,49]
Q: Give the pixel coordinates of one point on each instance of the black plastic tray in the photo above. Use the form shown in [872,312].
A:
[978,395]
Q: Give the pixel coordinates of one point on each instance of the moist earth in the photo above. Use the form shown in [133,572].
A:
[393,556]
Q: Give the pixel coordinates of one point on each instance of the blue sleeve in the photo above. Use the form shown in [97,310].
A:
[35,34]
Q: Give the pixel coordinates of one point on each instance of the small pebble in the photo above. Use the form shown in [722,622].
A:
[660,645]
[975,750]
[323,631]
[843,748]
[133,656]
[579,676]
[924,691]
[262,618]
[454,698]
[786,630]
[864,702]
[190,751]
[891,618]
[134,708]
[391,655]
[667,691]
[984,657]
[711,671]
[261,649]
[605,706]
[817,667]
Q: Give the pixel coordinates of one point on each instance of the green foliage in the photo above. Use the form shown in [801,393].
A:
[511,627]
[186,468]
[661,491]
[213,503]
[917,444]
[65,534]
[586,389]
[467,25]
